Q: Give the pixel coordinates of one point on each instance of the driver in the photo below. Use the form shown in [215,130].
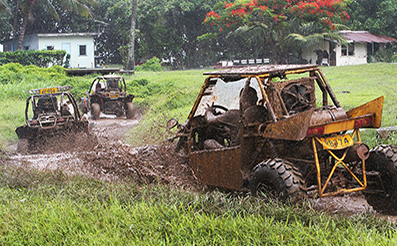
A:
[97,88]
[231,119]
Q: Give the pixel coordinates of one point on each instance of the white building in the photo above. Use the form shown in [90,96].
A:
[80,46]
[361,46]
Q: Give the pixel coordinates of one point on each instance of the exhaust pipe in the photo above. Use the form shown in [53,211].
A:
[357,152]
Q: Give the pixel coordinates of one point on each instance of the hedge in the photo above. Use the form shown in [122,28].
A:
[40,58]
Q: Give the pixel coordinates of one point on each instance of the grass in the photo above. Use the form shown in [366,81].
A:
[50,208]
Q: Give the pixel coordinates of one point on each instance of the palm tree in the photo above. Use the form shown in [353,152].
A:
[3,7]
[25,6]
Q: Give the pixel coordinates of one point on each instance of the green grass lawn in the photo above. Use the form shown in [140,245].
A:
[51,208]
[54,209]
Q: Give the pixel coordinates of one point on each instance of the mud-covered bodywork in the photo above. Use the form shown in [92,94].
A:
[51,115]
[297,141]
[108,94]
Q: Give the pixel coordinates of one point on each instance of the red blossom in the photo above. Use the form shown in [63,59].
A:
[213,14]
[264,8]
[228,5]
[281,10]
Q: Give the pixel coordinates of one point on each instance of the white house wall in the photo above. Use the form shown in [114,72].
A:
[359,56]
[76,61]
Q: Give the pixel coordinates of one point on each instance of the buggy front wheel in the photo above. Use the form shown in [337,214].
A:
[96,111]
[23,146]
[279,178]
[130,112]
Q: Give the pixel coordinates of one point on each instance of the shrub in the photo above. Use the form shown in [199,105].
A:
[40,58]
[153,64]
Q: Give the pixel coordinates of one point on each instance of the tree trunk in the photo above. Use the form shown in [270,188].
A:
[24,23]
[131,46]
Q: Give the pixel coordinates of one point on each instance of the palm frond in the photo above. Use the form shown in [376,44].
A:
[4,8]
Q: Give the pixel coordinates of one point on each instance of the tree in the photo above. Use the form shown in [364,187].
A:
[25,7]
[170,30]
[274,21]
[131,46]
[375,16]
[165,29]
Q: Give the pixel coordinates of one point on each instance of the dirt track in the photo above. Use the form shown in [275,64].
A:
[112,159]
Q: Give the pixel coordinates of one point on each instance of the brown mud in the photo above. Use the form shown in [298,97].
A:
[111,160]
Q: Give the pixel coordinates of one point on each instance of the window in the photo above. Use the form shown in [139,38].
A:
[369,49]
[25,47]
[347,50]
[83,50]
[50,47]
[350,49]
[344,50]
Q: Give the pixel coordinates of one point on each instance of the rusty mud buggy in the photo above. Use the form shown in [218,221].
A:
[108,94]
[53,122]
[260,129]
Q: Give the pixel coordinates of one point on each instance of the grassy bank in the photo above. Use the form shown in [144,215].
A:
[54,209]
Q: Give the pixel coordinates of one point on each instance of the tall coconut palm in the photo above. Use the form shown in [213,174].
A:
[79,7]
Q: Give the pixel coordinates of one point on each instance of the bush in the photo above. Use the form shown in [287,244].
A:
[40,58]
[153,64]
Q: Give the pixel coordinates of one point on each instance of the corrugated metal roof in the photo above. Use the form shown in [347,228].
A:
[257,70]
[364,36]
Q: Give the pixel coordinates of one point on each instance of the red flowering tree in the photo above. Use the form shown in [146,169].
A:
[277,20]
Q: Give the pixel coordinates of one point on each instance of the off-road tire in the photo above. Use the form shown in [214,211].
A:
[23,146]
[130,110]
[282,178]
[96,111]
[381,192]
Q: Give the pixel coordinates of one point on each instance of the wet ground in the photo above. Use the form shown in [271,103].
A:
[112,159]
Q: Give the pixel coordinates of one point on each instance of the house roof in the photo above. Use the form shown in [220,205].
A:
[366,37]
[74,34]
[79,34]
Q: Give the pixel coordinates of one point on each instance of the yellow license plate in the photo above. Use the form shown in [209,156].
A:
[48,90]
[338,142]
[114,95]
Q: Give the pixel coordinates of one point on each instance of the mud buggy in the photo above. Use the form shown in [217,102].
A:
[261,129]
[108,94]
[53,122]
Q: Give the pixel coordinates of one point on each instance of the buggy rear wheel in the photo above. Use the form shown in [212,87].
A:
[280,178]
[130,112]
[381,192]
[96,111]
